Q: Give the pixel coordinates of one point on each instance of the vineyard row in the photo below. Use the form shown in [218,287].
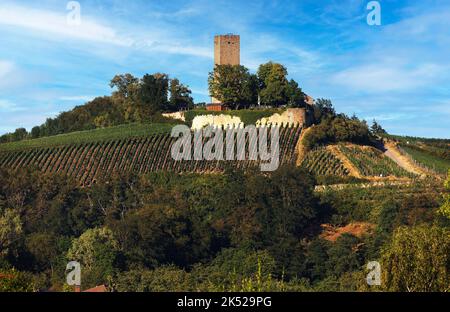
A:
[86,162]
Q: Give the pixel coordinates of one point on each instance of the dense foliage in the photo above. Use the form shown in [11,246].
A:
[339,128]
[237,88]
[236,231]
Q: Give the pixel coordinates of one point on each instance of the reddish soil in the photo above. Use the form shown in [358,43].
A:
[357,229]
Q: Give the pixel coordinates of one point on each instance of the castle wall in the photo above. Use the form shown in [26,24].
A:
[290,117]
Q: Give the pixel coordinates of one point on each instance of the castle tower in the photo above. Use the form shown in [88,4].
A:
[227,51]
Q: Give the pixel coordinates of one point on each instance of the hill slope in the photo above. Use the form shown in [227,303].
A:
[100,153]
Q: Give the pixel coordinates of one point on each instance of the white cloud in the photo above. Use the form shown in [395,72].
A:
[80,98]
[10,76]
[389,117]
[48,22]
[53,25]
[8,107]
[5,68]
[387,77]
[174,48]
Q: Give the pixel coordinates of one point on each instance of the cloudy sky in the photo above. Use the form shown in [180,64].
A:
[397,73]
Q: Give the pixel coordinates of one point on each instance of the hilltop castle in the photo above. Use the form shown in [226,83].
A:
[227,51]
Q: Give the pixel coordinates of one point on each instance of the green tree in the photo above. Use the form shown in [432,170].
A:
[124,84]
[35,132]
[15,281]
[296,97]
[180,96]
[376,128]
[97,251]
[153,94]
[445,209]
[274,84]
[232,85]
[345,255]
[43,247]
[323,108]
[164,278]
[417,259]
[19,134]
[10,230]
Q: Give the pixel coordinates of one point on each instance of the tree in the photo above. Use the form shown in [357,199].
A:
[417,259]
[35,132]
[376,128]
[339,128]
[180,96]
[274,84]
[97,251]
[345,255]
[10,230]
[296,97]
[153,94]
[43,247]
[15,281]
[164,278]
[123,83]
[232,85]
[317,258]
[323,108]
[19,134]
[445,209]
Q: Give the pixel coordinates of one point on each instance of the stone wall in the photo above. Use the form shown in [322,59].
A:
[290,117]
[222,120]
[176,115]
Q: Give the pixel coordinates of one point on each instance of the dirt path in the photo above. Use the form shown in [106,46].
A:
[345,161]
[391,151]
[300,148]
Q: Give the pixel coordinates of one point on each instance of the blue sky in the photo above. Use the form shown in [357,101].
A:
[398,73]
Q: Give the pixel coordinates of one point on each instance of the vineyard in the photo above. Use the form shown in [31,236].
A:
[372,162]
[424,158]
[124,131]
[86,161]
[322,162]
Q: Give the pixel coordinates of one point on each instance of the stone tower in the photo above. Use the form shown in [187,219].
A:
[227,51]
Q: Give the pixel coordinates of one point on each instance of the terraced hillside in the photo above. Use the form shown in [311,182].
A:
[371,162]
[142,153]
[322,162]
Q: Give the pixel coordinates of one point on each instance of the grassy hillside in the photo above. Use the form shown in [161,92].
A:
[433,154]
[422,157]
[90,136]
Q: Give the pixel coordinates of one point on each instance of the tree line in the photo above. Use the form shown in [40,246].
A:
[133,100]
[236,87]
